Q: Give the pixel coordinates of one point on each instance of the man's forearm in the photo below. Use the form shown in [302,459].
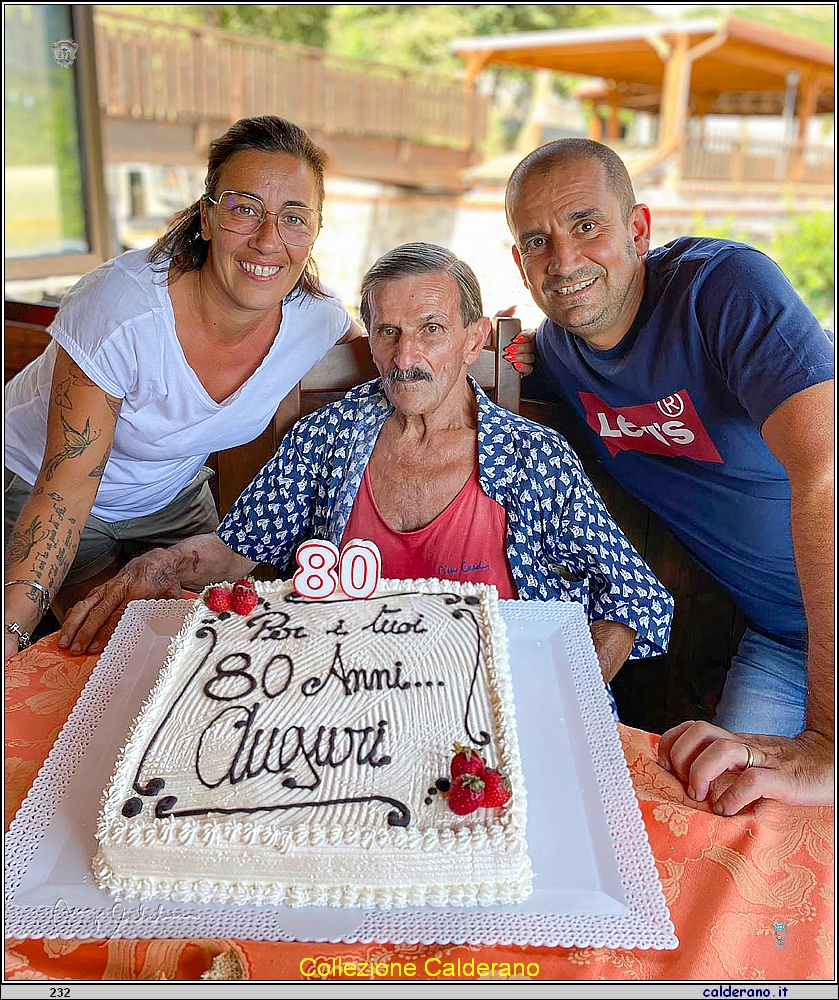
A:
[813,540]
[613,642]
[206,559]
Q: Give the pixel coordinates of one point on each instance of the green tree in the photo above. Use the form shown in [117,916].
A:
[303,24]
[417,36]
[802,246]
[805,252]
[807,20]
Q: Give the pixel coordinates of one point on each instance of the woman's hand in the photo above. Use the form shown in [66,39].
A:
[80,431]
[521,351]
[735,769]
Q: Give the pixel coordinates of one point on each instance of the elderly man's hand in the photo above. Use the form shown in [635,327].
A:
[92,621]
[712,763]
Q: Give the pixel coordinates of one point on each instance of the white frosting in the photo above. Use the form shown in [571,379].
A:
[357,705]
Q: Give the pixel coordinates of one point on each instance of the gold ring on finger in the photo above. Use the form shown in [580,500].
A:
[750,757]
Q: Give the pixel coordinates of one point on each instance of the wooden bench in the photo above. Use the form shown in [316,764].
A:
[24,334]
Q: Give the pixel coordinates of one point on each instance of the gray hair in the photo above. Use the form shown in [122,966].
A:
[423,258]
[563,152]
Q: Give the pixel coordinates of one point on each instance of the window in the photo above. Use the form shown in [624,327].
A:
[56,221]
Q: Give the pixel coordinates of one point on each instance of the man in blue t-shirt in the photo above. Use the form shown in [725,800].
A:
[708,386]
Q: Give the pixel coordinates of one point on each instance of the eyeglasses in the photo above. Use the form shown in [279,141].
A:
[244,214]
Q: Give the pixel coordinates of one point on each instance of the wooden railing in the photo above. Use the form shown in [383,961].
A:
[169,72]
[714,157]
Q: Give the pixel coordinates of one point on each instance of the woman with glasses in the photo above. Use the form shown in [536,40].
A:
[158,358]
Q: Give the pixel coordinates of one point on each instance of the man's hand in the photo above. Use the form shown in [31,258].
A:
[798,772]
[92,621]
[10,646]
[193,562]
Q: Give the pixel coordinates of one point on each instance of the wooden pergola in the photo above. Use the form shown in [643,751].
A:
[677,69]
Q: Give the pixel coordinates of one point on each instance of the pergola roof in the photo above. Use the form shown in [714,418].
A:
[732,55]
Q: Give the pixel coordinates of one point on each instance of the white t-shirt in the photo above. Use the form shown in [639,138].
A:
[118,325]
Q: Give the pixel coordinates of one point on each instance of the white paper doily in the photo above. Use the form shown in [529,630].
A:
[638,919]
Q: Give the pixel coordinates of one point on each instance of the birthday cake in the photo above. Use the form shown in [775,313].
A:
[301,752]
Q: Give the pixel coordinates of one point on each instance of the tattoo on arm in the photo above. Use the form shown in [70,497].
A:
[79,377]
[114,403]
[35,596]
[75,444]
[99,471]
[23,542]
[50,549]
[61,397]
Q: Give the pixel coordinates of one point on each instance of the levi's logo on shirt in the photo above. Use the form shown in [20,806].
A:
[669,427]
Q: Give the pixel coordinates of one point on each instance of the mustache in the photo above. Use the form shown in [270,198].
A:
[562,281]
[408,375]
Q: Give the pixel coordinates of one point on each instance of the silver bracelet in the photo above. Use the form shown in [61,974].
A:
[44,594]
[23,638]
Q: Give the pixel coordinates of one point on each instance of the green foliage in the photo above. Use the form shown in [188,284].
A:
[802,246]
[724,230]
[303,24]
[41,127]
[807,20]
[418,36]
[805,252]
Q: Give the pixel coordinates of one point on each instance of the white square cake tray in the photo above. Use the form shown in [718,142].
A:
[595,882]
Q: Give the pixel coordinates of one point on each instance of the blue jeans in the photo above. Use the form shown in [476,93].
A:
[765,690]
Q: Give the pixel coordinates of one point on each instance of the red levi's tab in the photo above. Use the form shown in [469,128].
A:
[669,427]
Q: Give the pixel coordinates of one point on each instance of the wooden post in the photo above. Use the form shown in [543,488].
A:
[807,103]
[507,380]
[675,90]
[595,123]
[738,160]
[237,83]
[532,132]
[475,63]
[613,131]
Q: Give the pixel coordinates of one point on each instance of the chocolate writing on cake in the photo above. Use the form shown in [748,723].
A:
[250,695]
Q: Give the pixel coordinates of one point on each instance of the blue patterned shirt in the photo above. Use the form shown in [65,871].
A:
[562,543]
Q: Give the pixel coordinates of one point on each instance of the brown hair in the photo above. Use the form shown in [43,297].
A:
[183,249]
[553,155]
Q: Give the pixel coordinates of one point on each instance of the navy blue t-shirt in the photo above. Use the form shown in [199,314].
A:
[721,339]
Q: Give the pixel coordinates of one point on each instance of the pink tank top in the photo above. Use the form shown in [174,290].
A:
[466,542]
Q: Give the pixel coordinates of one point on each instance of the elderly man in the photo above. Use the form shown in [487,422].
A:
[707,384]
[444,481]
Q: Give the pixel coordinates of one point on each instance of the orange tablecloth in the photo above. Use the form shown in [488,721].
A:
[726,880]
